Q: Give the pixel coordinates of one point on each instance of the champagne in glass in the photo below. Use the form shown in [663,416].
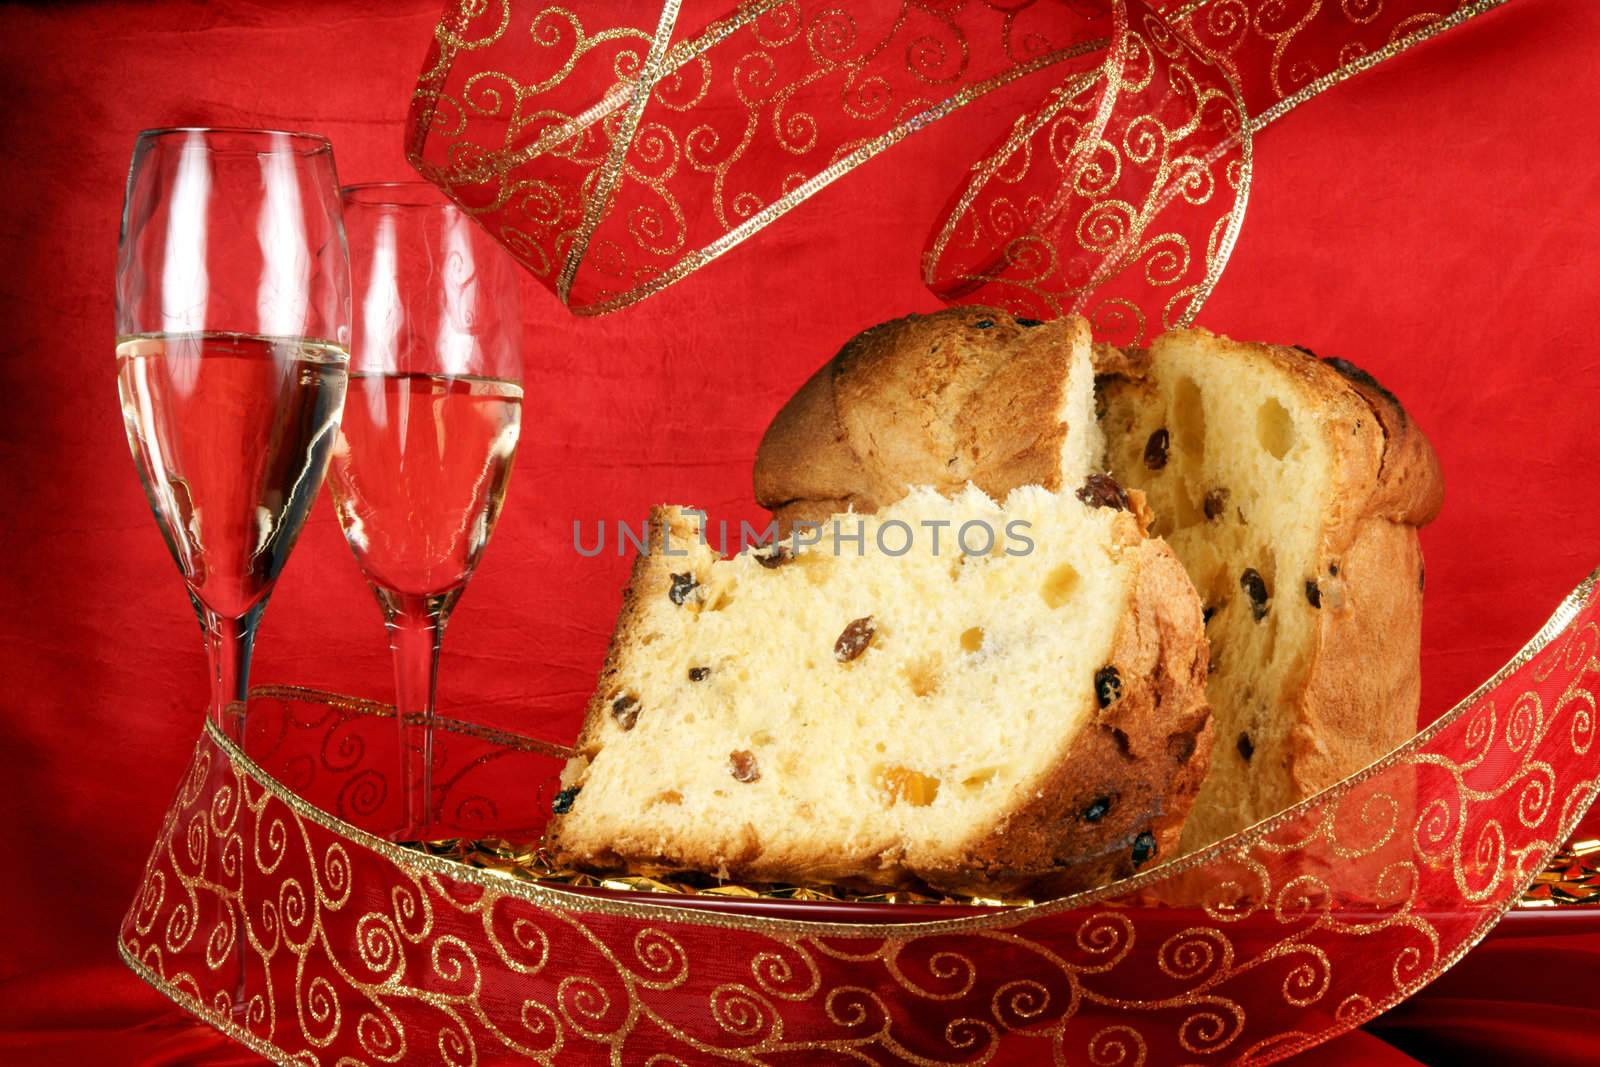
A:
[419,475]
[430,428]
[232,322]
[229,523]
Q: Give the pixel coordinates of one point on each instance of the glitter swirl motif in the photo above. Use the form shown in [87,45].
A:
[355,950]
[613,149]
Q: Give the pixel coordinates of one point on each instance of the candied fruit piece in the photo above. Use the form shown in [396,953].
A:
[902,784]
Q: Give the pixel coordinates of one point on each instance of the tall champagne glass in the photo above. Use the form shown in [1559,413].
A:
[422,459]
[233,309]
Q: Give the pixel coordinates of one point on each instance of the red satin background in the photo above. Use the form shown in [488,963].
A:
[1433,220]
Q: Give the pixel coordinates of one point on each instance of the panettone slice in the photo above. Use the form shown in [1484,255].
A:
[1029,715]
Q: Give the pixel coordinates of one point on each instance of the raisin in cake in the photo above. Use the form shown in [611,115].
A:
[971,722]
[1290,487]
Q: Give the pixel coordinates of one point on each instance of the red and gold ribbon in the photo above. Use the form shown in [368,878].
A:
[613,154]
[355,950]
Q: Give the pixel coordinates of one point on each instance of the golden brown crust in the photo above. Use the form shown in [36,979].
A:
[1369,640]
[965,394]
[1410,485]
[812,463]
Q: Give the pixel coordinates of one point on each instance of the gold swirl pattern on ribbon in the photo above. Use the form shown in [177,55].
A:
[612,153]
[275,913]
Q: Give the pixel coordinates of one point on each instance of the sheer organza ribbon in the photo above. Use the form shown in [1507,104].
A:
[272,909]
[614,147]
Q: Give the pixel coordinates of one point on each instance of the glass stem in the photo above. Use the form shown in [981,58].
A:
[229,645]
[416,630]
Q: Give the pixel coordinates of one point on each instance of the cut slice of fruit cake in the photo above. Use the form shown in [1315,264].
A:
[971,695]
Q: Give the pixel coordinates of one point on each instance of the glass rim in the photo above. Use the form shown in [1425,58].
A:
[307,143]
[396,194]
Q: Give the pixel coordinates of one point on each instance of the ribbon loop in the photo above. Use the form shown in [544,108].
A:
[613,153]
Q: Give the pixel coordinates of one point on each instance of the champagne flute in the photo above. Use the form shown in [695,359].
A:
[233,311]
[420,466]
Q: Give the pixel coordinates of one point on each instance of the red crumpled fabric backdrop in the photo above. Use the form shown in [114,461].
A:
[1434,220]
